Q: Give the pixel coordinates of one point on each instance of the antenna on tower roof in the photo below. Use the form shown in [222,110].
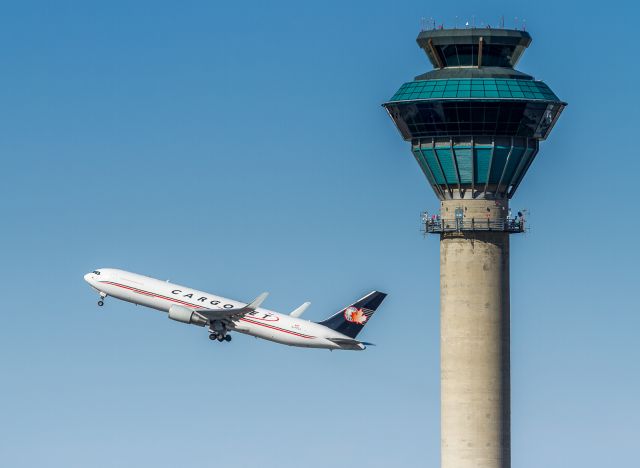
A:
[426,24]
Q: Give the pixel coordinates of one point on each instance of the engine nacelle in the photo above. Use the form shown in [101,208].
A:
[184,315]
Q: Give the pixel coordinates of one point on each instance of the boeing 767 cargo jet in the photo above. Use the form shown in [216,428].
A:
[222,315]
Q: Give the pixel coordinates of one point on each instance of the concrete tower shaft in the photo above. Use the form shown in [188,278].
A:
[474,124]
[474,337]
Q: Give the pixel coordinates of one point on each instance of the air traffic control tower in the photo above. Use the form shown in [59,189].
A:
[474,124]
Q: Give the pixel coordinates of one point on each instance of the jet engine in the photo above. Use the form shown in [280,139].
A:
[184,315]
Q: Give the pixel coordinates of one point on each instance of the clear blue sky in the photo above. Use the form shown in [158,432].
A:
[239,147]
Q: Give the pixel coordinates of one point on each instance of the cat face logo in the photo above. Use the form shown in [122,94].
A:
[355,315]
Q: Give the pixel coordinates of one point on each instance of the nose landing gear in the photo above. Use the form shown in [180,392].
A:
[101,300]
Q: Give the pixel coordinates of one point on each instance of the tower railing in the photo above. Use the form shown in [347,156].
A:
[438,226]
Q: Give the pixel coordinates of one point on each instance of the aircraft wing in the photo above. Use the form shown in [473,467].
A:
[232,314]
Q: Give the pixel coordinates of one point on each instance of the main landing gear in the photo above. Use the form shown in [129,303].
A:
[102,297]
[219,337]
[218,331]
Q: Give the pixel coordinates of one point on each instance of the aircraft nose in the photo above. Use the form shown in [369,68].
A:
[87,277]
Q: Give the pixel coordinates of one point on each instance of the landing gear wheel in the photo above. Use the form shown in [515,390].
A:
[212,336]
[102,295]
[227,338]
[220,338]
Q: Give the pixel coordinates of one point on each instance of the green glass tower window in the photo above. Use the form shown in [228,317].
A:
[475,88]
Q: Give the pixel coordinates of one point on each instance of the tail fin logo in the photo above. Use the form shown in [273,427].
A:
[355,315]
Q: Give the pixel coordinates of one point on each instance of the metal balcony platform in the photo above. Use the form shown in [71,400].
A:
[439,226]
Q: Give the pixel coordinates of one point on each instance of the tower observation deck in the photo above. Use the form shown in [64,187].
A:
[474,124]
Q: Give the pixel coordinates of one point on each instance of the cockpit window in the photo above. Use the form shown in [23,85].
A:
[96,272]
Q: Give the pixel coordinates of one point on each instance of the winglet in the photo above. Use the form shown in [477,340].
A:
[300,310]
[253,305]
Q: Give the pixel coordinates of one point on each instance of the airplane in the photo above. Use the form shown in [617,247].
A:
[222,315]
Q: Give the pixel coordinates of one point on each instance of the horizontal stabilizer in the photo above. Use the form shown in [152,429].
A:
[349,343]
[300,310]
[342,341]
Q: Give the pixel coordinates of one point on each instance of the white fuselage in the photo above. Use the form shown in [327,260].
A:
[263,323]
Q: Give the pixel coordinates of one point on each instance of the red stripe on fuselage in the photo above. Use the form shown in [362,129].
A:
[276,328]
[177,301]
[148,293]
